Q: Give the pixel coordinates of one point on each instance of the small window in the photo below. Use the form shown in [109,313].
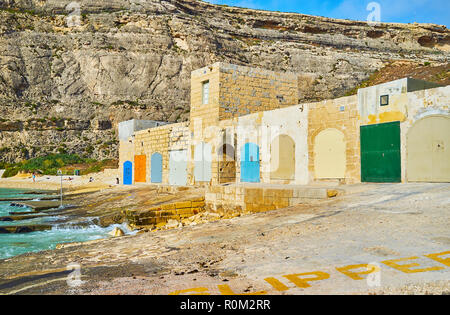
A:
[384,100]
[205,92]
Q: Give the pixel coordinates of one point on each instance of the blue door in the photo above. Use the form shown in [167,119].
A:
[250,163]
[156,168]
[127,173]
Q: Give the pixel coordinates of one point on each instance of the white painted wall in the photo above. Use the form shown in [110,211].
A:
[369,98]
[263,128]
[292,121]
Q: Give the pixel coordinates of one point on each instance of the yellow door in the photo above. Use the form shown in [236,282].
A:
[282,158]
[329,155]
[428,150]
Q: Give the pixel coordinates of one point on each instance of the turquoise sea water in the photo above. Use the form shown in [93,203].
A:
[16,244]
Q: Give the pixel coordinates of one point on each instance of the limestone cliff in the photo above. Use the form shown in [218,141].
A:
[65,87]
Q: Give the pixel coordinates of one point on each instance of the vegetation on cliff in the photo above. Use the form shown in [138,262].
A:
[50,164]
[427,71]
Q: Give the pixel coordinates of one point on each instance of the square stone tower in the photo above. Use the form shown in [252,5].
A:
[224,91]
[220,94]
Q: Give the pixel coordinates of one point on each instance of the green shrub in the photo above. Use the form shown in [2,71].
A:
[51,163]
[10,172]
[4,165]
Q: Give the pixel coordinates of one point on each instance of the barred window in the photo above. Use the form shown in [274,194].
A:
[205,92]
[384,100]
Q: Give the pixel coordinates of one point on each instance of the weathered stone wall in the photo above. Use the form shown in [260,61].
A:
[292,122]
[161,140]
[160,215]
[340,114]
[238,91]
[227,172]
[224,164]
[263,128]
[204,115]
[372,112]
[245,90]
[303,124]
[251,198]
[369,107]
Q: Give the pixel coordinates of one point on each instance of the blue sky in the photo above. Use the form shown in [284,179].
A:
[401,11]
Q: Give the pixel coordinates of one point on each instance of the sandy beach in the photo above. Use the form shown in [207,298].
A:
[70,183]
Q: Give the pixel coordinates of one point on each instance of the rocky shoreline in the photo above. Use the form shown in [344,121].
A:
[237,255]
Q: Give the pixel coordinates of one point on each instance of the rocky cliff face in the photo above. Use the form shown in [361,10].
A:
[64,86]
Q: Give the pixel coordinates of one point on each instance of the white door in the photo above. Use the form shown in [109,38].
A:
[178,168]
[202,162]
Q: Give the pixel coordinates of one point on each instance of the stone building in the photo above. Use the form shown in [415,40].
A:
[246,126]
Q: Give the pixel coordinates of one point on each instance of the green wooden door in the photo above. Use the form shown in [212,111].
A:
[380,153]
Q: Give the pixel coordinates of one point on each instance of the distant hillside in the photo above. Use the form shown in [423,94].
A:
[65,89]
[401,69]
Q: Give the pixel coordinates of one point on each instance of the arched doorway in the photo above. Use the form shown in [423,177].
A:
[202,162]
[282,158]
[250,172]
[227,164]
[329,155]
[428,150]
[226,153]
[127,173]
[156,168]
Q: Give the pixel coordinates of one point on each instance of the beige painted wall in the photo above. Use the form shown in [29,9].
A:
[330,154]
[282,158]
[428,150]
